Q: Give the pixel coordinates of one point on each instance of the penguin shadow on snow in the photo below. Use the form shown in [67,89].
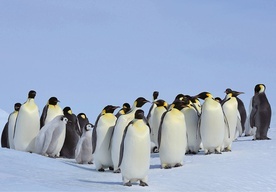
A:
[100,182]
[80,166]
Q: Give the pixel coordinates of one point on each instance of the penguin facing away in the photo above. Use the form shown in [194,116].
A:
[27,124]
[118,131]
[72,137]
[50,111]
[260,115]
[11,123]
[101,138]
[83,152]
[47,139]
[5,137]
[134,159]
[211,124]
[172,139]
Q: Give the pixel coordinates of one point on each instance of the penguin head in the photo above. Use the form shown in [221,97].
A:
[67,111]
[53,101]
[17,106]
[218,99]
[109,109]
[125,109]
[82,115]
[155,95]
[88,127]
[161,103]
[140,101]
[234,93]
[31,94]
[204,95]
[139,114]
[259,88]
[178,104]
[64,119]
[180,96]
[126,106]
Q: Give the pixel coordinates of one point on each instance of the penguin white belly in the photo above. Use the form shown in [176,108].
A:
[12,120]
[116,139]
[248,129]
[156,118]
[27,127]
[102,155]
[230,109]
[212,127]
[136,155]
[173,139]
[193,138]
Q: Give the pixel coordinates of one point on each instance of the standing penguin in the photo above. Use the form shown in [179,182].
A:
[161,107]
[71,136]
[11,123]
[47,139]
[125,109]
[241,108]
[191,119]
[134,159]
[211,124]
[27,125]
[83,152]
[50,111]
[260,115]
[101,138]
[172,139]
[230,110]
[119,128]
[82,121]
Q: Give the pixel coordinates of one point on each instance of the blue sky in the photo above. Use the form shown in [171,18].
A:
[92,53]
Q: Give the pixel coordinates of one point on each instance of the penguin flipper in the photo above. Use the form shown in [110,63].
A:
[160,127]
[253,114]
[226,123]
[43,116]
[122,145]
[94,139]
[5,137]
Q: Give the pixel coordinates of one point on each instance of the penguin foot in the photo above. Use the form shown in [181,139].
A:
[128,184]
[90,162]
[227,150]
[208,153]
[217,152]
[101,170]
[167,167]
[143,184]
[117,171]
[111,168]
[178,165]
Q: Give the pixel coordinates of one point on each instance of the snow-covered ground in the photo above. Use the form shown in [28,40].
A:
[249,167]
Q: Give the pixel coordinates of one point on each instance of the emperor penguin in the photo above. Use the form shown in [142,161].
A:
[211,124]
[230,110]
[83,152]
[50,111]
[125,109]
[27,124]
[260,115]
[46,141]
[161,107]
[82,121]
[241,110]
[72,137]
[134,159]
[101,138]
[191,118]
[119,128]
[196,104]
[172,138]
[155,95]
[11,123]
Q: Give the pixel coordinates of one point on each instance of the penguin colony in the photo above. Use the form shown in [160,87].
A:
[123,142]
